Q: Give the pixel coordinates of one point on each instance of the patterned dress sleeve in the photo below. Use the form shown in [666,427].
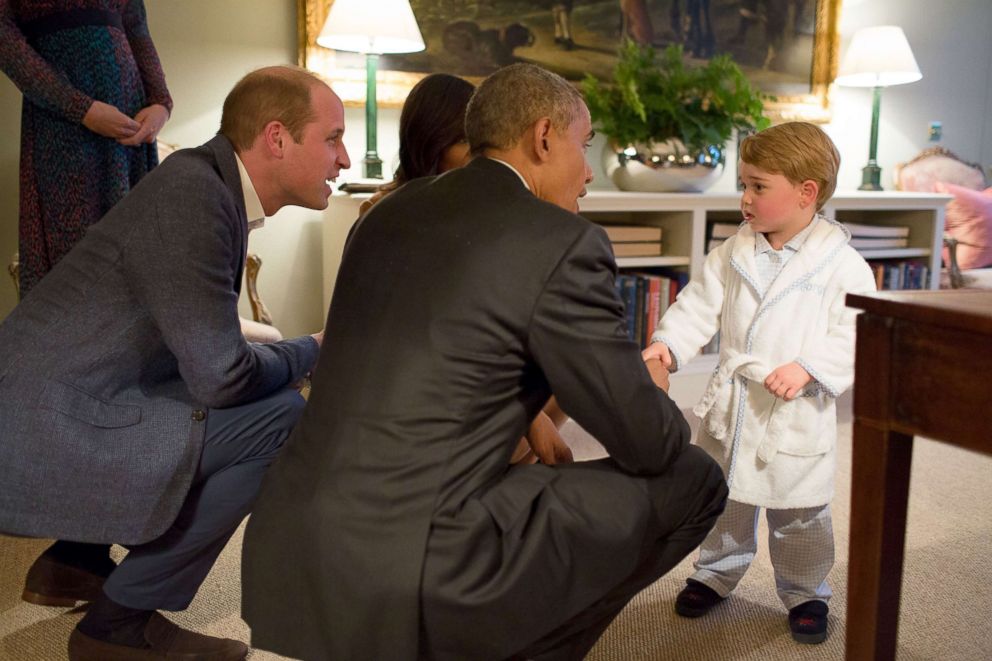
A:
[34,76]
[136,28]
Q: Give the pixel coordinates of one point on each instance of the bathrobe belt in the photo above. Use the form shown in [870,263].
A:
[716,408]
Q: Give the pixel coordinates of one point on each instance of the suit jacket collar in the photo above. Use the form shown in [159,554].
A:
[503,179]
[227,167]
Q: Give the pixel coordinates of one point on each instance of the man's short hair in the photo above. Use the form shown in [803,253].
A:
[509,101]
[280,93]
[798,151]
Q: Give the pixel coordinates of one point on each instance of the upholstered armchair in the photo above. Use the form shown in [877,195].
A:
[968,217]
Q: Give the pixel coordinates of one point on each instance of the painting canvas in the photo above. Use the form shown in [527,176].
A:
[787,48]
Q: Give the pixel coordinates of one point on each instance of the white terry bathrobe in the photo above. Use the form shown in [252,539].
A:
[775,454]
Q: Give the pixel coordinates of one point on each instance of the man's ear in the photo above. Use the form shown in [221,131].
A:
[542,138]
[275,135]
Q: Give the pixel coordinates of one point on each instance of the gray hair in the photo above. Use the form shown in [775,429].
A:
[509,101]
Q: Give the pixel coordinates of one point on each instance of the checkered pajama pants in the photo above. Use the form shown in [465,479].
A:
[800,541]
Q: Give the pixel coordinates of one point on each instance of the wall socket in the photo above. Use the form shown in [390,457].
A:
[935,132]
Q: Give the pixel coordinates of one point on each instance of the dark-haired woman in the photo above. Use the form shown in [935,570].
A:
[432,131]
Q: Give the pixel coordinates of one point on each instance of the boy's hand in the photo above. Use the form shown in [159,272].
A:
[660,351]
[787,381]
[658,372]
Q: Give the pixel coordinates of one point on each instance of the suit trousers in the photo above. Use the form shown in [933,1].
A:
[239,445]
[686,501]
[800,543]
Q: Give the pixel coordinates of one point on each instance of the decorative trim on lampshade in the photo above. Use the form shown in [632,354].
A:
[361,26]
[878,56]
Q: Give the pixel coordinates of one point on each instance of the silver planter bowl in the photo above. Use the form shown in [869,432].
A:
[662,167]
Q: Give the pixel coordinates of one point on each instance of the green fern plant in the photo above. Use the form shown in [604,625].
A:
[654,98]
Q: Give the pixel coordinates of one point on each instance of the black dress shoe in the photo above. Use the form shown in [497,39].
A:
[808,622]
[164,641]
[53,582]
[696,599]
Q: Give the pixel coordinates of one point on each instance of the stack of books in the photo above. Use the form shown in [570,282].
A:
[634,240]
[646,297]
[719,232]
[868,237]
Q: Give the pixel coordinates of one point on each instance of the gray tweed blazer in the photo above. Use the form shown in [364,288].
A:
[110,365]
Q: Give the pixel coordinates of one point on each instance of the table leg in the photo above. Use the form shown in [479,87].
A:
[881,461]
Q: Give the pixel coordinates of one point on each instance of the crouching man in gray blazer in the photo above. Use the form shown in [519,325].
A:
[132,410]
[393,527]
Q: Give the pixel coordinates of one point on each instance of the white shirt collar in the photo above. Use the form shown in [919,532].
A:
[515,170]
[253,205]
[794,244]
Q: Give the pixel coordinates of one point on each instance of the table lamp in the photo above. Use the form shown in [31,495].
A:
[877,57]
[373,28]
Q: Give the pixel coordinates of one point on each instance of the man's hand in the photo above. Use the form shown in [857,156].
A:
[658,372]
[547,443]
[151,120]
[787,381]
[660,351]
[319,337]
[106,120]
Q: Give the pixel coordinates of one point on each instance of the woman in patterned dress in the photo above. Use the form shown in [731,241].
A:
[94,101]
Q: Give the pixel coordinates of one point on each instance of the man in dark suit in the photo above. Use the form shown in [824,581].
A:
[132,410]
[392,526]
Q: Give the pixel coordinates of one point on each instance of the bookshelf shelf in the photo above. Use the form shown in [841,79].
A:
[646,262]
[892,253]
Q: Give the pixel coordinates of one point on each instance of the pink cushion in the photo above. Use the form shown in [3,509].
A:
[968,218]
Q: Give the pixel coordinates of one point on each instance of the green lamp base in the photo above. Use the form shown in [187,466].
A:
[871,177]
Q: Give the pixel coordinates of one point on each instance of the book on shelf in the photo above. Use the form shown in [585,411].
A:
[625,233]
[637,248]
[865,243]
[860,230]
[646,296]
[722,230]
[890,275]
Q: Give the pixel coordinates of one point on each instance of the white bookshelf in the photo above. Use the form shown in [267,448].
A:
[683,218]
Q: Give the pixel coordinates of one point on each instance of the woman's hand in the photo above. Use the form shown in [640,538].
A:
[151,120]
[106,120]
[547,443]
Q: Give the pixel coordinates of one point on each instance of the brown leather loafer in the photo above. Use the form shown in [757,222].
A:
[165,642]
[53,583]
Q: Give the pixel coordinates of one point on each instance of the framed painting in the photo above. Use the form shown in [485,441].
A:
[787,48]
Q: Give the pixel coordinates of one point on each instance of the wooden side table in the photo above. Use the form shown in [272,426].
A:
[922,367]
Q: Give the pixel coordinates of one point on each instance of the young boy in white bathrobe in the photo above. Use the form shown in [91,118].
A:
[775,291]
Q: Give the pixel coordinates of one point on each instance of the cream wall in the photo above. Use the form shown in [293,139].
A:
[207,46]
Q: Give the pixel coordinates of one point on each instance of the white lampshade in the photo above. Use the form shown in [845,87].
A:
[878,57]
[371,26]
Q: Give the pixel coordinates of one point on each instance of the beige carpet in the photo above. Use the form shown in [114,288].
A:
[944,607]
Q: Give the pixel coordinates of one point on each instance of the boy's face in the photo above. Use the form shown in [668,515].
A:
[775,206]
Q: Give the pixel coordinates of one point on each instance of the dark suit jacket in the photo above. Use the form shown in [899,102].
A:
[462,302]
[108,364]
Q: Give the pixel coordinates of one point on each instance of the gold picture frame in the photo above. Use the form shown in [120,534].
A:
[347,74]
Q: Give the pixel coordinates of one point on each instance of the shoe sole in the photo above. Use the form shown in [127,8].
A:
[692,612]
[48,600]
[809,638]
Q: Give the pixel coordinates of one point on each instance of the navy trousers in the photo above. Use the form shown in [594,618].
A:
[240,444]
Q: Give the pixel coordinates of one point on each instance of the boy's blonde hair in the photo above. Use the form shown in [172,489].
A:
[798,151]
